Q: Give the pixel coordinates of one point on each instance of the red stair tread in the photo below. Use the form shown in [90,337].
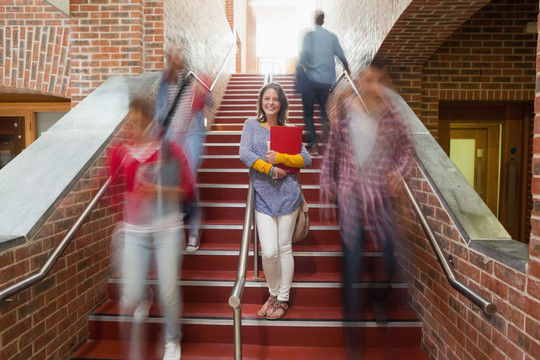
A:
[298,247]
[298,276]
[249,311]
[241,222]
[111,349]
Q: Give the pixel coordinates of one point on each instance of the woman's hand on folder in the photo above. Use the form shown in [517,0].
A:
[271,157]
[281,173]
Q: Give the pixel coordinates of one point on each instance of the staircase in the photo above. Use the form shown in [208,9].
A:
[312,328]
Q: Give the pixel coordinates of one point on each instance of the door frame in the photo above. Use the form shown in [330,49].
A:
[516,119]
[28,110]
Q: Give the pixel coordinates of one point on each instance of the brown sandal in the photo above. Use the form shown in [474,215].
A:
[278,310]
[267,305]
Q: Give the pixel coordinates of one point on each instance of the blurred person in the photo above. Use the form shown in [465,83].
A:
[156,182]
[171,87]
[277,196]
[368,151]
[194,140]
[319,48]
[180,112]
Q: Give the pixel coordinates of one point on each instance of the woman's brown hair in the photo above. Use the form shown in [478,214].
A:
[144,106]
[283,103]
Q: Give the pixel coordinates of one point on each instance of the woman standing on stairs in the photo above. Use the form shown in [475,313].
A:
[277,196]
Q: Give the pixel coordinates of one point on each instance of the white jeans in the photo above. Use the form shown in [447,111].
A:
[165,246]
[275,233]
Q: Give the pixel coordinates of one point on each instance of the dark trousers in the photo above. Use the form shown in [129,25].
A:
[319,92]
[353,291]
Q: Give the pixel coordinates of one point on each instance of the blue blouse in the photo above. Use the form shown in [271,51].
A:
[272,197]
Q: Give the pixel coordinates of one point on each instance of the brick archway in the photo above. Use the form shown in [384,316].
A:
[35,58]
[421,29]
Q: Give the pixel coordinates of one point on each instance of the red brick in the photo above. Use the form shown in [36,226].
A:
[534,268]
[533,287]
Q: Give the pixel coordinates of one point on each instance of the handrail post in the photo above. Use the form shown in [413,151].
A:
[237,314]
[238,287]
[235,298]
[255,249]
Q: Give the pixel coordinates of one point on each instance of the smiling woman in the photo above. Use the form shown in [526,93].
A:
[277,196]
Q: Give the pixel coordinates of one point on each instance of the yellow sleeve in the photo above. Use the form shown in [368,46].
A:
[262,166]
[295,161]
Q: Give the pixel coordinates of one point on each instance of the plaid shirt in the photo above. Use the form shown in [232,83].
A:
[362,193]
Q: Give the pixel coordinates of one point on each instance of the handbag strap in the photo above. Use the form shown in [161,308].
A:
[169,116]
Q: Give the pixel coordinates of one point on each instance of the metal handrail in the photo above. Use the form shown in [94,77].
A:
[222,67]
[235,299]
[218,74]
[346,75]
[191,73]
[57,252]
[488,307]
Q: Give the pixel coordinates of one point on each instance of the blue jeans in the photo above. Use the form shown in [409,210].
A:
[193,146]
[165,246]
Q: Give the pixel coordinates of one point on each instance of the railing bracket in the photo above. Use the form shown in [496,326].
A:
[451,260]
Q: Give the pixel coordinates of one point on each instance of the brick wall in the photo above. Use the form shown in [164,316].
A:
[452,328]
[154,37]
[534,242]
[34,48]
[50,320]
[229,12]
[490,57]
[107,40]
[251,40]
[43,51]
[361,36]
[205,43]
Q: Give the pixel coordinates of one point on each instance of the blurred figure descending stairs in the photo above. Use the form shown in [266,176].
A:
[312,328]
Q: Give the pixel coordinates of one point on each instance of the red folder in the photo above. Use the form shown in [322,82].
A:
[286,140]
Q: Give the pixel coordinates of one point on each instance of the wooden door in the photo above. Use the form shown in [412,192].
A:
[12,138]
[475,149]
[498,133]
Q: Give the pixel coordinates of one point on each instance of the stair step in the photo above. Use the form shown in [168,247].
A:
[305,299]
[307,263]
[227,210]
[257,331]
[111,349]
[227,237]
[233,161]
[230,275]
[240,176]
[304,295]
[238,192]
[228,118]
